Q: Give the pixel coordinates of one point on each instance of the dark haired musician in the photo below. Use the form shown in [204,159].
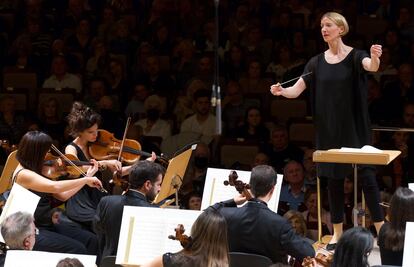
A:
[144,184]
[254,228]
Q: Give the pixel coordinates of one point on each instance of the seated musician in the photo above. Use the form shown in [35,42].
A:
[207,245]
[144,184]
[353,249]
[19,233]
[29,173]
[83,125]
[263,231]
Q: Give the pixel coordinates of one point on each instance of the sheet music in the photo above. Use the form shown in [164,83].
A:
[364,149]
[215,190]
[408,256]
[20,199]
[144,233]
[24,258]
[411,186]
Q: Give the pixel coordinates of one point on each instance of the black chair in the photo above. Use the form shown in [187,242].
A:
[109,261]
[240,259]
[386,266]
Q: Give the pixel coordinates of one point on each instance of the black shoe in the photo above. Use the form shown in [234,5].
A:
[331,247]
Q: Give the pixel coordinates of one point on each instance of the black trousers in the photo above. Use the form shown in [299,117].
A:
[51,241]
[371,193]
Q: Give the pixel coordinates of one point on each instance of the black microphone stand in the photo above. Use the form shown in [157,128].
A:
[215,95]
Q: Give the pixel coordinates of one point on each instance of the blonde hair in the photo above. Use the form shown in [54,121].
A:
[339,21]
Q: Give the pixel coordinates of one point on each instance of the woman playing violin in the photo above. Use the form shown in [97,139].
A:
[83,125]
[32,150]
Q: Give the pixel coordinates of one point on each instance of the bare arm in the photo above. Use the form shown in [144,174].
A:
[289,92]
[372,64]
[157,262]
[31,180]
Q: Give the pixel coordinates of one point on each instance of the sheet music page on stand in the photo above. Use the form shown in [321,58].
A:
[408,256]
[215,190]
[20,199]
[144,233]
[411,186]
[364,149]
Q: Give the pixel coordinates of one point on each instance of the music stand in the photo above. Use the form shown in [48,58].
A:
[351,156]
[173,177]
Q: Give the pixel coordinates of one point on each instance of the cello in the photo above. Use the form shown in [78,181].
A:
[240,186]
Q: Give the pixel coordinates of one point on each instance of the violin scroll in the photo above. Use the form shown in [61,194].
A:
[185,240]
[240,186]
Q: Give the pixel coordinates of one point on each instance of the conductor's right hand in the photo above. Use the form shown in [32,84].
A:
[93,182]
[276,89]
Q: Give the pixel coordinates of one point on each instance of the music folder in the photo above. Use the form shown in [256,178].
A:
[173,177]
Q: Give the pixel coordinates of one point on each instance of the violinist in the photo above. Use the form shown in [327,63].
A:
[83,125]
[208,245]
[32,150]
[264,232]
[144,184]
[353,249]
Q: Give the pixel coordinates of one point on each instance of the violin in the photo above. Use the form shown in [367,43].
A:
[185,240]
[107,146]
[323,257]
[56,166]
[240,186]
[62,169]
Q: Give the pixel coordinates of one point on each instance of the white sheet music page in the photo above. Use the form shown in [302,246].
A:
[144,233]
[364,149]
[20,199]
[411,186]
[215,190]
[408,257]
[25,258]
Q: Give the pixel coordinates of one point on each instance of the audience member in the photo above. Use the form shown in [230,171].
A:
[293,192]
[60,77]
[152,124]
[311,215]
[281,150]
[202,122]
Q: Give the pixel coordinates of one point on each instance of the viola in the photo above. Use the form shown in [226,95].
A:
[185,240]
[323,257]
[56,166]
[240,186]
[107,146]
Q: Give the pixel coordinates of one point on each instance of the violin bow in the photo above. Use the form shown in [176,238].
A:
[74,165]
[123,138]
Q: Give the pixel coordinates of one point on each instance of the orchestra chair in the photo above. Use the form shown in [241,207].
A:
[109,261]
[237,150]
[240,259]
[285,109]
[302,131]
[20,95]
[65,97]
[386,266]
[20,80]
[6,174]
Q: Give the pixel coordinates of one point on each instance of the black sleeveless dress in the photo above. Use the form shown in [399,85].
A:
[82,206]
[339,105]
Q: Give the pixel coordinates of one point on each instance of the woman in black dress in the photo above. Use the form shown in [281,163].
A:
[337,79]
